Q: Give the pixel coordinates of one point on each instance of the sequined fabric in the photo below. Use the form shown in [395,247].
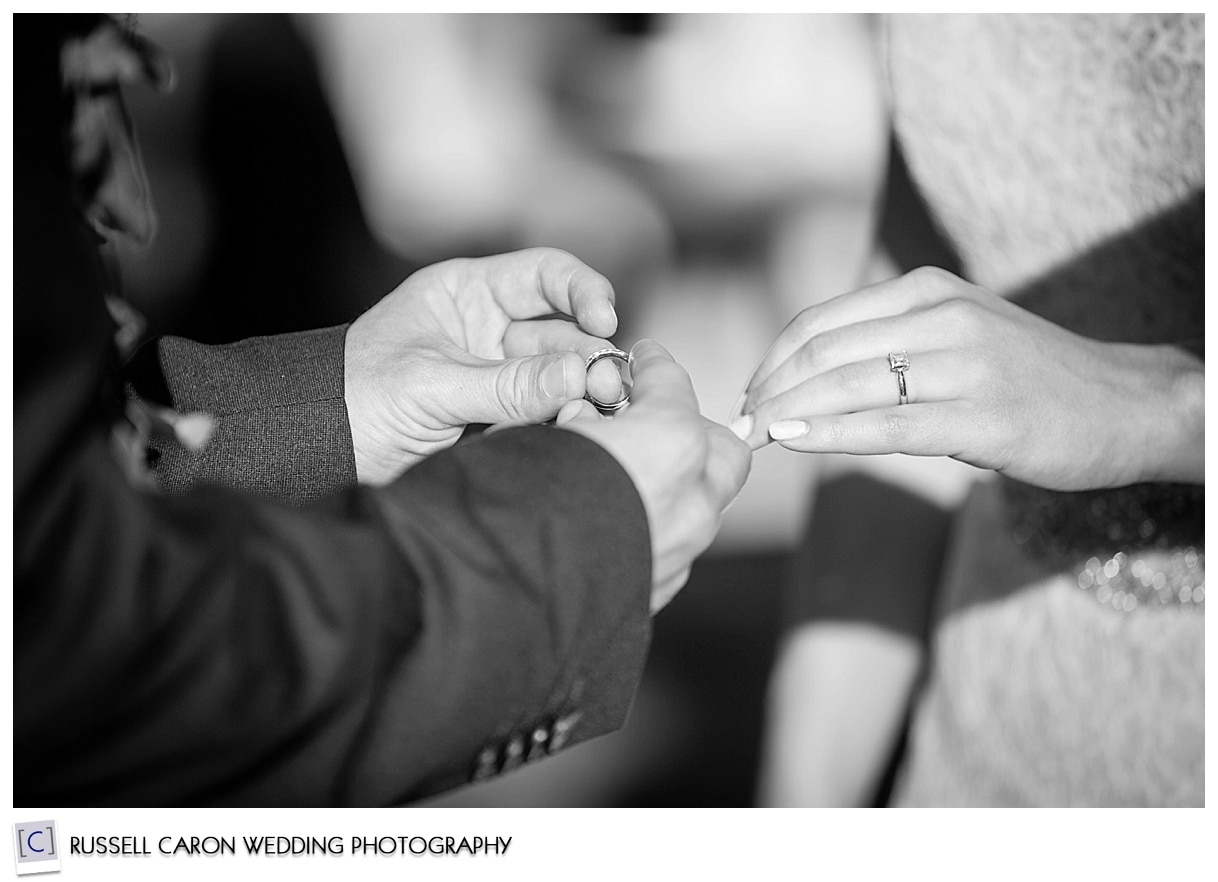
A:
[1129,581]
[1138,546]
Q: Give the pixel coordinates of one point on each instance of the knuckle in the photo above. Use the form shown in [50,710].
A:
[669,373]
[1002,417]
[853,379]
[562,264]
[445,275]
[930,277]
[680,452]
[894,427]
[548,252]
[512,386]
[453,268]
[805,323]
[835,432]
[984,371]
[991,422]
[961,316]
[697,446]
[808,354]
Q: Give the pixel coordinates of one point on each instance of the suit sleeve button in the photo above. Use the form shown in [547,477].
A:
[513,754]
[537,744]
[487,764]
[562,731]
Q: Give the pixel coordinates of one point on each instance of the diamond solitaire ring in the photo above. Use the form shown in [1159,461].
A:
[898,363]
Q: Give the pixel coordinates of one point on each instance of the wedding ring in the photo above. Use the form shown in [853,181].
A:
[608,406]
[898,363]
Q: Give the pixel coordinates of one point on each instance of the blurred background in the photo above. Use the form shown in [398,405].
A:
[725,172]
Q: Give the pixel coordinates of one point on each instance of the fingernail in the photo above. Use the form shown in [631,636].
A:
[786,430]
[742,426]
[637,344]
[554,378]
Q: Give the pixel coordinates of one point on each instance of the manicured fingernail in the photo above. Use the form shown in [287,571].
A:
[786,430]
[742,426]
[554,378]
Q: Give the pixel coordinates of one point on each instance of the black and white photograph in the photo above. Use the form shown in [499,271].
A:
[632,411]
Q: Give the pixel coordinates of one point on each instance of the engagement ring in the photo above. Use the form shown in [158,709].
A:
[898,363]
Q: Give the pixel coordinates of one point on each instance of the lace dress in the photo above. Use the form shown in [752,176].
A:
[1064,157]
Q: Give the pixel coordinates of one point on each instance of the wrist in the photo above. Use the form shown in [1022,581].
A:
[390,431]
[369,467]
[1173,418]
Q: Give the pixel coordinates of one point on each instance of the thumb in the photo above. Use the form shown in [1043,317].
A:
[529,389]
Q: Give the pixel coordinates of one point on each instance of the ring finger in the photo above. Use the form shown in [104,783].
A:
[913,292]
[924,329]
[859,386]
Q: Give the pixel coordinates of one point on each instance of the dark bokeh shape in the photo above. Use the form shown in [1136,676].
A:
[292,250]
[837,557]
[1145,285]
[632,24]
[715,643]
[907,230]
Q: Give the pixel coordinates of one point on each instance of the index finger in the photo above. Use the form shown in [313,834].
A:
[539,281]
[659,382]
[885,299]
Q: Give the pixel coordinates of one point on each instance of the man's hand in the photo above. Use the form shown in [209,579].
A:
[686,468]
[460,342]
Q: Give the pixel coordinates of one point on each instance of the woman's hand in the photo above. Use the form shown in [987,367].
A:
[460,342]
[988,383]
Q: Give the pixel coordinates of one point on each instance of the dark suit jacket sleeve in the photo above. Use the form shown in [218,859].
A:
[217,647]
[280,419]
